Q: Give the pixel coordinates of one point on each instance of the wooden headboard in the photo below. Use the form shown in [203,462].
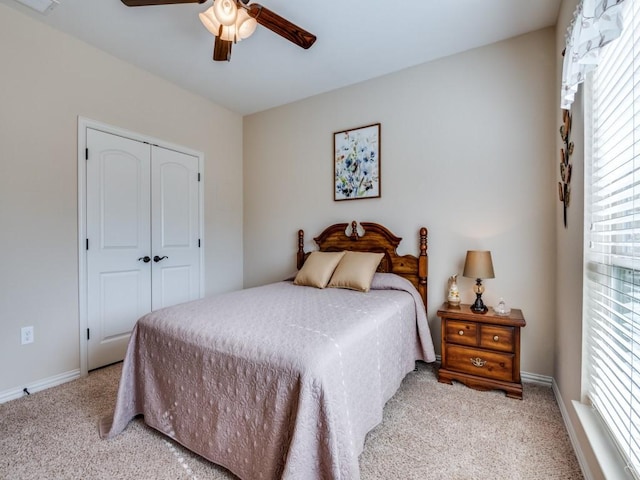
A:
[375,238]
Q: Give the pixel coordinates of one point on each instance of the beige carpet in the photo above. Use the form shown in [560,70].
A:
[430,431]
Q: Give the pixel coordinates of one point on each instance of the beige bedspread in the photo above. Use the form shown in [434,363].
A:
[279,381]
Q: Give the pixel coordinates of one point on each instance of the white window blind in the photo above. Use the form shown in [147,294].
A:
[612,284]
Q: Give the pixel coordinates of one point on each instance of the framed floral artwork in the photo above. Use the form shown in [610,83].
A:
[356,163]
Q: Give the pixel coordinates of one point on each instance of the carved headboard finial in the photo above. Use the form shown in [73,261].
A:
[354,231]
[423,241]
[423,262]
[300,254]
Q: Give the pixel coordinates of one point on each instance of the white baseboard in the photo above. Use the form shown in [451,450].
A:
[582,461]
[39,385]
[536,378]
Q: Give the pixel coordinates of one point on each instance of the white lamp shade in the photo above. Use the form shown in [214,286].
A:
[225,11]
[245,25]
[210,21]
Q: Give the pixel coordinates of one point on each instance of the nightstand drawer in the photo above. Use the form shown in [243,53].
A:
[462,333]
[498,366]
[495,337]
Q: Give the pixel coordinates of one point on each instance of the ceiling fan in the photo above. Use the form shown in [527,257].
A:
[233,20]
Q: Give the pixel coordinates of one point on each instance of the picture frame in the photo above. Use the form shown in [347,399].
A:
[356,163]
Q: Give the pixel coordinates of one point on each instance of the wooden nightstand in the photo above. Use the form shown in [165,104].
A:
[481,350]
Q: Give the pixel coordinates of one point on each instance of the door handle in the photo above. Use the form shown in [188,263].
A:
[145,259]
[158,259]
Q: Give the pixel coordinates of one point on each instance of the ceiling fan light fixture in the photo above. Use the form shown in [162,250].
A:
[225,11]
[243,28]
[229,34]
[245,25]
[209,21]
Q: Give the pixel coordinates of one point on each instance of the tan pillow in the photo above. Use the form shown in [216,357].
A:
[355,271]
[317,269]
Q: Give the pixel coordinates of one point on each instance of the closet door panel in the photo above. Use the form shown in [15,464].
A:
[118,224]
[174,227]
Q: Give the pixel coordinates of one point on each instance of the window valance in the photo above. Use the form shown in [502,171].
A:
[595,23]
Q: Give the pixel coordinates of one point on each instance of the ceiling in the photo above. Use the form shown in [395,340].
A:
[357,41]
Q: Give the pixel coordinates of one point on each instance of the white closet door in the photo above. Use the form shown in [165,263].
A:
[175,227]
[118,225]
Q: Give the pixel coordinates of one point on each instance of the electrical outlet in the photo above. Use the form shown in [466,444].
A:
[27,335]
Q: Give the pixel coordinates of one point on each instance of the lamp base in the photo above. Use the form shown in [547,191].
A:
[479,306]
[483,309]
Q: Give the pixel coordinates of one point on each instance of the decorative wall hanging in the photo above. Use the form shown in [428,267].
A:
[356,163]
[564,190]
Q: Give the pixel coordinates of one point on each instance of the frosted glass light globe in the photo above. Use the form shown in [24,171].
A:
[225,11]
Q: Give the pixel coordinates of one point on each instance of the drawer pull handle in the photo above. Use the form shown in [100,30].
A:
[460,332]
[478,362]
[496,338]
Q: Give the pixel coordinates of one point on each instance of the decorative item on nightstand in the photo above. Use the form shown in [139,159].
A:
[453,298]
[502,308]
[478,265]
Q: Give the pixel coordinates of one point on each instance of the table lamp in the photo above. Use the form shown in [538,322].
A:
[478,265]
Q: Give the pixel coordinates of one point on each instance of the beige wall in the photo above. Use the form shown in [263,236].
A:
[47,79]
[569,269]
[468,144]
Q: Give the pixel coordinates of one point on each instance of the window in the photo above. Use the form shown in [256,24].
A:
[612,270]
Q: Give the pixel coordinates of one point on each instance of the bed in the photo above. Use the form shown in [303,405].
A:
[282,380]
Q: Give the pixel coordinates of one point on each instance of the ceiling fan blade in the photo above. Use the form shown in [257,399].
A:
[222,50]
[144,3]
[281,26]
